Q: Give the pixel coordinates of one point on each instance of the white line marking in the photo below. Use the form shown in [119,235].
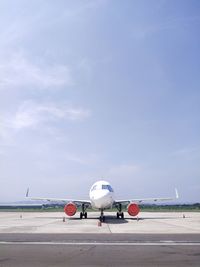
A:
[166,243]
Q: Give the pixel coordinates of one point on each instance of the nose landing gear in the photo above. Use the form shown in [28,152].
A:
[102,217]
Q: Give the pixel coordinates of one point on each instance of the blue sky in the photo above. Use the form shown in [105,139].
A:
[99,89]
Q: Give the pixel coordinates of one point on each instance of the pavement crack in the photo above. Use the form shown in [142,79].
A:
[109,228]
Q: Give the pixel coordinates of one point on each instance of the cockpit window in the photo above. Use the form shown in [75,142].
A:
[108,187]
[94,188]
[103,186]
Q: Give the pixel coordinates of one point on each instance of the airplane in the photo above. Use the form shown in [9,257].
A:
[101,197]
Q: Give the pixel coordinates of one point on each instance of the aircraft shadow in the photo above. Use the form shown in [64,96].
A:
[108,219]
[114,220]
[111,219]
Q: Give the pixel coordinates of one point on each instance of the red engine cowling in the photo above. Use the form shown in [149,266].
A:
[133,209]
[70,209]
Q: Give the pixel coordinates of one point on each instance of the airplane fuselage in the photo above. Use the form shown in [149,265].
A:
[101,195]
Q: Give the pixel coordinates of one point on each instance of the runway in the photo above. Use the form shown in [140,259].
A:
[99,250]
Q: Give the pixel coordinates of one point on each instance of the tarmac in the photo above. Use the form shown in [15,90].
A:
[57,222]
[51,239]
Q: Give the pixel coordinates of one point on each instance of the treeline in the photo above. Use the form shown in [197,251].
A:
[171,207]
[143,207]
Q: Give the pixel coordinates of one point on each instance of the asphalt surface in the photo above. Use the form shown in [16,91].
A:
[99,250]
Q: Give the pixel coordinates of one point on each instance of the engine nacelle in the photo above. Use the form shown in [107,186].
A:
[133,209]
[70,209]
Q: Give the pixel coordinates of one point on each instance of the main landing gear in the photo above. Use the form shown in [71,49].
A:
[83,213]
[120,213]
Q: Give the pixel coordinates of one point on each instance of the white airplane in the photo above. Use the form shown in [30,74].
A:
[101,198]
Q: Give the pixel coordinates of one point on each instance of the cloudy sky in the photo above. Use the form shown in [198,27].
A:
[96,89]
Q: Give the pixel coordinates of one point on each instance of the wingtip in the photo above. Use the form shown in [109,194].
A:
[27,192]
[177,195]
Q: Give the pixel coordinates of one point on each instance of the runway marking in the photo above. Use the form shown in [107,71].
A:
[162,243]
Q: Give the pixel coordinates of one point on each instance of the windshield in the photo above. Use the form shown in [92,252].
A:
[104,186]
[108,187]
[94,188]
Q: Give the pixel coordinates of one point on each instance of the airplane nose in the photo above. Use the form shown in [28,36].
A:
[102,199]
[101,195]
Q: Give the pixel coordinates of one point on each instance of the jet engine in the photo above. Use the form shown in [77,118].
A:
[133,209]
[70,209]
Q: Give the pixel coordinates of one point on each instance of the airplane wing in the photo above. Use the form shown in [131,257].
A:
[78,201]
[65,200]
[140,200]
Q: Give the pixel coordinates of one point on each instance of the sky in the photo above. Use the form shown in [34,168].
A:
[99,89]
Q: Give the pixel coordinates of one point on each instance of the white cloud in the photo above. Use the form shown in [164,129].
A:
[17,71]
[31,115]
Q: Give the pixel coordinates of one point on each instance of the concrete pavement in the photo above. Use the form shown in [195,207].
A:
[52,222]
